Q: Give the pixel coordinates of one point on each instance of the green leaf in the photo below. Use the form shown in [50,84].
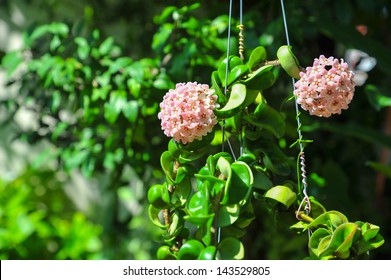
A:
[167,161]
[11,61]
[365,246]
[233,61]
[190,250]
[239,185]
[267,118]
[236,73]
[261,181]
[106,46]
[224,166]
[257,56]
[130,110]
[230,249]
[181,193]
[55,43]
[376,97]
[59,28]
[274,159]
[216,87]
[83,48]
[369,231]
[380,167]
[216,184]
[316,238]
[116,104]
[164,253]
[330,219]
[261,82]
[199,204]
[289,61]
[281,194]
[343,238]
[227,215]
[208,253]
[251,95]
[235,101]
[153,214]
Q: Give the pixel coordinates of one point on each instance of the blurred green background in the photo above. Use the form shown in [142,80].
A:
[80,85]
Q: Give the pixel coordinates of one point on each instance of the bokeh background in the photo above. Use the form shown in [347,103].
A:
[80,85]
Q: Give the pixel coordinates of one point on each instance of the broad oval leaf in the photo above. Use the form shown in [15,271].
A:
[208,253]
[227,215]
[282,194]
[289,61]
[190,250]
[230,249]
[257,55]
[330,219]
[234,103]
[153,214]
[241,182]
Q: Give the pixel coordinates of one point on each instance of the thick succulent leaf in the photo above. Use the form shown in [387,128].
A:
[330,219]
[267,118]
[257,56]
[316,238]
[166,161]
[281,194]
[227,215]
[261,79]
[199,204]
[289,61]
[230,249]
[208,253]
[239,185]
[190,250]
[234,103]
[153,214]
[233,61]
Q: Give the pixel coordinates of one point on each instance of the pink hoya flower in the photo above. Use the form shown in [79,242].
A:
[187,112]
[325,88]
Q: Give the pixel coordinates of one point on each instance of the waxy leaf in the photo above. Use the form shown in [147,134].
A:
[216,83]
[166,161]
[153,214]
[227,215]
[235,101]
[233,61]
[190,250]
[267,118]
[230,249]
[257,56]
[164,253]
[282,194]
[236,73]
[260,79]
[330,219]
[316,238]
[199,204]
[239,185]
[289,61]
[208,253]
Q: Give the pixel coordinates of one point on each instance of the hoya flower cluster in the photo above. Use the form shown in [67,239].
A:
[325,88]
[187,112]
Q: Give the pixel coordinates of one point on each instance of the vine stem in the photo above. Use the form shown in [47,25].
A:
[300,140]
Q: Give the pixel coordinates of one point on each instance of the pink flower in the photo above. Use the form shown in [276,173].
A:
[187,112]
[325,88]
